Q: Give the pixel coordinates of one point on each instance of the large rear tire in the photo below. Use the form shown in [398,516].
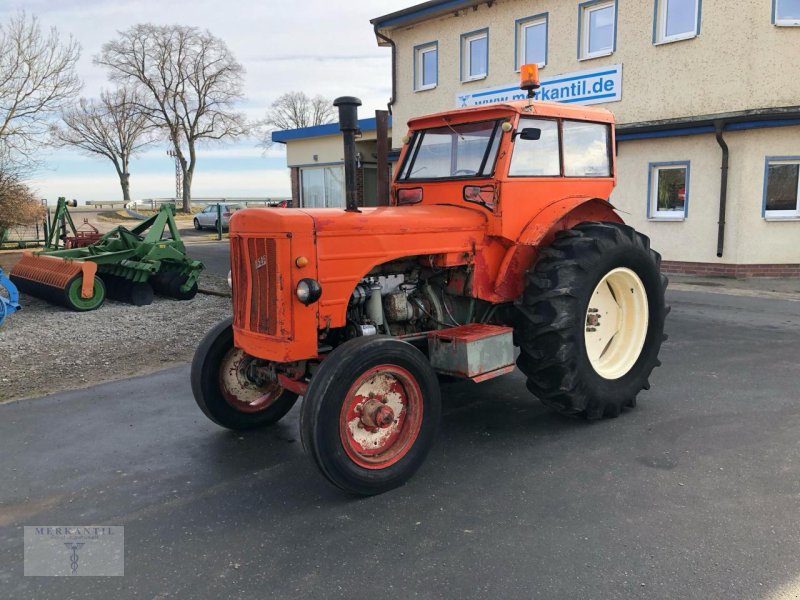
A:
[370,414]
[223,391]
[592,320]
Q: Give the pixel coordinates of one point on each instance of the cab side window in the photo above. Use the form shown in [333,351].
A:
[536,158]
[586,149]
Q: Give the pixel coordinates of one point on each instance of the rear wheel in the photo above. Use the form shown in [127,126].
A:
[592,320]
[370,414]
[223,387]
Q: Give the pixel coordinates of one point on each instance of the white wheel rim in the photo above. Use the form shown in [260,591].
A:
[616,323]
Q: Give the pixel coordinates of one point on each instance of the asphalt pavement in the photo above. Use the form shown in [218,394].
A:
[215,255]
[694,494]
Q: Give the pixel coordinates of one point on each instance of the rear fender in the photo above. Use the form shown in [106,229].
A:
[539,233]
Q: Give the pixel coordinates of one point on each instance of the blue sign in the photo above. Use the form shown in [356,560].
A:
[581,87]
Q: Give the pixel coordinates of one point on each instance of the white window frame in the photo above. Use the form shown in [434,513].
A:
[776,17]
[781,214]
[521,39]
[322,168]
[653,214]
[419,52]
[660,27]
[584,22]
[466,67]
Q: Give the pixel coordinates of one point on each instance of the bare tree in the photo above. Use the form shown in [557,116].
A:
[294,110]
[113,127]
[18,205]
[190,84]
[37,79]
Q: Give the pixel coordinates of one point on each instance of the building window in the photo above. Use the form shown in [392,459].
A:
[786,12]
[668,191]
[426,66]
[597,23]
[587,149]
[322,187]
[676,20]
[536,158]
[782,188]
[474,55]
[531,41]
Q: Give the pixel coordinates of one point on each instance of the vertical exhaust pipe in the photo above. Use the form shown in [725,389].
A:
[348,125]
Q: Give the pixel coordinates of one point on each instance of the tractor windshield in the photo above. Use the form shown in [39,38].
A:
[463,151]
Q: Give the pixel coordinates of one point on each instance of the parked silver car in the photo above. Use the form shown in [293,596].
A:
[208,216]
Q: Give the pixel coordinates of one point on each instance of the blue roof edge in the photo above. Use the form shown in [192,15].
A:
[287,135]
[418,11]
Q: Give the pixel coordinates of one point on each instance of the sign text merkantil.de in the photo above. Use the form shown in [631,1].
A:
[580,87]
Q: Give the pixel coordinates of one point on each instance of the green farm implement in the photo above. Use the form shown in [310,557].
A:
[123,264]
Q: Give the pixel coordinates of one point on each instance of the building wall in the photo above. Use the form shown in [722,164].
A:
[749,237]
[738,60]
[693,239]
[327,149]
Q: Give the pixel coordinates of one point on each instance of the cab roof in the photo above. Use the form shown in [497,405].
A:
[524,107]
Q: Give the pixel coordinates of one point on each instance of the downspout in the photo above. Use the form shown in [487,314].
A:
[391,43]
[723,188]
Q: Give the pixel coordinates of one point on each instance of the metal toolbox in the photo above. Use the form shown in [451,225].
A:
[475,351]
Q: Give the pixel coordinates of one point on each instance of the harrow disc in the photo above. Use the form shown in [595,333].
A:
[168,283]
[137,293]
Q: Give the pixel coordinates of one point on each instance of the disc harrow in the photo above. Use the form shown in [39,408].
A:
[124,264]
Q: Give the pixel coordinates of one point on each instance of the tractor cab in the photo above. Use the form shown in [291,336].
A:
[537,152]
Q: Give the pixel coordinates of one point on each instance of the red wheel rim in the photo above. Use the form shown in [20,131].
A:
[238,390]
[381,417]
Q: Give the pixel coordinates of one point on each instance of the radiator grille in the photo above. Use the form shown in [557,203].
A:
[254,276]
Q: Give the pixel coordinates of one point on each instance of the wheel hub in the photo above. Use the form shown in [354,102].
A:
[375,414]
[380,417]
[244,385]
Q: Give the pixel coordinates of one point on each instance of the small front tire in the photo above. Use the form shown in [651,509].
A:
[225,394]
[370,414]
[197,225]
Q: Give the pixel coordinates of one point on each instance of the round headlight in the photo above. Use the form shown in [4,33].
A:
[308,290]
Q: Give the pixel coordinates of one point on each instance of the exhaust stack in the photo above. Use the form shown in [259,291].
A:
[348,125]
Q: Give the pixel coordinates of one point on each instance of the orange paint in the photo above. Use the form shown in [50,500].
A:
[500,242]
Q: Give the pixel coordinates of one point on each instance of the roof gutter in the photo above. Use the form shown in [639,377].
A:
[391,43]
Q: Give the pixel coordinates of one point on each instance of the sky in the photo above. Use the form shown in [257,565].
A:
[315,46]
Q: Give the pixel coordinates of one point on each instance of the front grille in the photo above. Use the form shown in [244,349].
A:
[254,277]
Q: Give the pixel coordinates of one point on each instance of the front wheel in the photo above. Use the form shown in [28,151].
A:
[370,414]
[591,320]
[223,387]
[197,225]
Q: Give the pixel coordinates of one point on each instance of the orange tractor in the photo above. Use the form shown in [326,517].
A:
[499,235]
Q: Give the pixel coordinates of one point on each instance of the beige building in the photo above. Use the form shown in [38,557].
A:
[315,157]
[706,96]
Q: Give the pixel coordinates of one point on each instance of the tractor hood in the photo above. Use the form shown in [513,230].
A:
[342,248]
[374,222]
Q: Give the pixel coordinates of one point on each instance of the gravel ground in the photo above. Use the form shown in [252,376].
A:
[47,348]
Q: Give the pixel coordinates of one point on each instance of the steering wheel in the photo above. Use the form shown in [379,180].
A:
[465,172]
